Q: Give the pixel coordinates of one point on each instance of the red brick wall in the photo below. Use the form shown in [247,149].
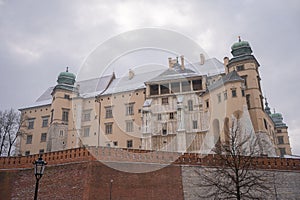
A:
[162,184]
[91,180]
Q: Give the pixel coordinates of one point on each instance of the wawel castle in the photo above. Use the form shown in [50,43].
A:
[183,108]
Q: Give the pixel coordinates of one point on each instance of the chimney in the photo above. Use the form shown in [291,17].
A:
[182,62]
[130,74]
[226,60]
[170,63]
[202,59]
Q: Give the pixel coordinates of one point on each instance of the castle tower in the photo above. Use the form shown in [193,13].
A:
[61,112]
[282,136]
[246,66]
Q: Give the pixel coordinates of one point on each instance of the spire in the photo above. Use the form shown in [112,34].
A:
[267,108]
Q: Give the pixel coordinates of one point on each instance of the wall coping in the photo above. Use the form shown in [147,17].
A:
[109,154]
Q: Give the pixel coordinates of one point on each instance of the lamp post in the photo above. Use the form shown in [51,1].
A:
[110,188]
[39,166]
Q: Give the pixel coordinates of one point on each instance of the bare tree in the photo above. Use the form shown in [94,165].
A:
[10,124]
[235,178]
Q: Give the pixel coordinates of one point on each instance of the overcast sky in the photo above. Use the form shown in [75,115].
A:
[38,39]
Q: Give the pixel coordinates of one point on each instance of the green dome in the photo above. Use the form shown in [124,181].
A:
[240,44]
[66,80]
[276,115]
[278,120]
[67,74]
[241,48]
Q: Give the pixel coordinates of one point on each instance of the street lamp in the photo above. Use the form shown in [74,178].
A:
[39,166]
[110,188]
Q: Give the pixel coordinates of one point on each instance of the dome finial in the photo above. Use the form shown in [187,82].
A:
[67,70]
[239,38]
[267,108]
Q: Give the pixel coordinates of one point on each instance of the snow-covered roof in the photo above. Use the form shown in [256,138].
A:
[109,84]
[292,156]
[211,66]
[124,84]
[230,77]
[87,88]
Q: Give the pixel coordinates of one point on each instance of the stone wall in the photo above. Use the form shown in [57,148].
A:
[283,184]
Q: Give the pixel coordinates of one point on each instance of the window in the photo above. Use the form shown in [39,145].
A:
[279,131]
[153,89]
[280,140]
[240,67]
[29,139]
[159,117]
[67,96]
[164,129]
[65,116]
[165,100]
[197,84]
[219,98]
[30,123]
[27,153]
[282,151]
[61,133]
[175,87]
[52,111]
[195,124]
[86,131]
[190,105]
[185,86]
[248,100]
[108,128]
[245,80]
[45,122]
[243,92]
[129,109]
[43,137]
[266,124]
[86,116]
[129,143]
[41,151]
[233,92]
[207,103]
[164,89]
[225,95]
[115,143]
[108,112]
[129,126]
[171,115]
